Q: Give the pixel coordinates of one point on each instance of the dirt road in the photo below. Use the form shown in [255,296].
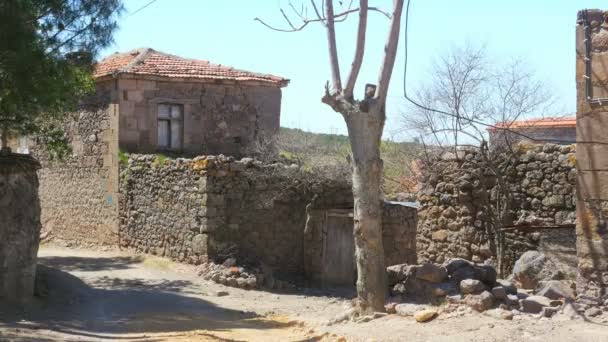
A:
[100,296]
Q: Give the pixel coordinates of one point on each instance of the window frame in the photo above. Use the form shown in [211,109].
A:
[171,121]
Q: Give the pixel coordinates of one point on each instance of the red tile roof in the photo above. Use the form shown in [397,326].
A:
[147,61]
[534,123]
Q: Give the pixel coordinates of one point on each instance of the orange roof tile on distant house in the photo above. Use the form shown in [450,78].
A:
[537,123]
[146,61]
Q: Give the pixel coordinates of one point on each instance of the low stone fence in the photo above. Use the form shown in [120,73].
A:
[213,207]
[455,198]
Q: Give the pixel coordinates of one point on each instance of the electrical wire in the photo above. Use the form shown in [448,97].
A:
[140,9]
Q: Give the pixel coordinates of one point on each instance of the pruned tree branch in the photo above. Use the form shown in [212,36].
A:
[390,52]
[359,51]
[334,64]
[320,18]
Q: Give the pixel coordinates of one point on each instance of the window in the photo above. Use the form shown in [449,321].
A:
[170,126]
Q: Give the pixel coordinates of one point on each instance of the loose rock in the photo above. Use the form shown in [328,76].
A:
[471,286]
[431,273]
[535,304]
[555,289]
[425,315]
[480,302]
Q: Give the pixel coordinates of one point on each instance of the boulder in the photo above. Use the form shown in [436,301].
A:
[485,273]
[499,292]
[463,273]
[396,273]
[555,289]
[480,302]
[471,286]
[443,289]
[509,286]
[531,268]
[512,300]
[453,264]
[535,304]
[432,273]
[425,315]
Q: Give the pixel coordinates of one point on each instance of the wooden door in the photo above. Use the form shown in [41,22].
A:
[339,249]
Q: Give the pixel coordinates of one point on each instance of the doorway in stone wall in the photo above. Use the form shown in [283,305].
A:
[339,249]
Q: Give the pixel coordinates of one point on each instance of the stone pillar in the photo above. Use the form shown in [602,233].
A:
[19,225]
[592,153]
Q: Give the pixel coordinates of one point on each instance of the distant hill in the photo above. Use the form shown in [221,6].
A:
[332,150]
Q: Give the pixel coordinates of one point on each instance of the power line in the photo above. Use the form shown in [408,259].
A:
[140,9]
[454,115]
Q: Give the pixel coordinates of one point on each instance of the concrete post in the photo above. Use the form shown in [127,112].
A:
[19,225]
[592,153]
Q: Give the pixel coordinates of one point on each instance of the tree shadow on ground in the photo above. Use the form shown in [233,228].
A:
[87,264]
[118,308]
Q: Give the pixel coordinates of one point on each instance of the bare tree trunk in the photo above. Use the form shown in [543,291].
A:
[365,121]
[365,131]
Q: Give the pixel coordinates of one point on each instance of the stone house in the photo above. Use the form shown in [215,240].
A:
[183,106]
[546,130]
[148,102]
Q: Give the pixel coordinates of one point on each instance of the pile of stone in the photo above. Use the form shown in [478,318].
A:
[230,274]
[459,282]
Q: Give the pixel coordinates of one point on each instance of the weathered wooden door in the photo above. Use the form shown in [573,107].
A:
[339,249]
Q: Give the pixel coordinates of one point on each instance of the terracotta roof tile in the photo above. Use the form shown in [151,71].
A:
[150,62]
[534,123]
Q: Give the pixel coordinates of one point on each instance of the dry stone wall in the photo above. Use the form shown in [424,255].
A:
[211,208]
[78,193]
[455,198]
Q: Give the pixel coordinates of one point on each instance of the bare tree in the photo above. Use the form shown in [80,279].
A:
[365,122]
[477,97]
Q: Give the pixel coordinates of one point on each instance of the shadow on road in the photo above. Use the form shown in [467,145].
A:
[87,264]
[120,308]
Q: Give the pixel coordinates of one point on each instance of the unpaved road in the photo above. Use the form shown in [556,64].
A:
[110,295]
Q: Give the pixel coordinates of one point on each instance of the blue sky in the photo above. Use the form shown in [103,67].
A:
[539,31]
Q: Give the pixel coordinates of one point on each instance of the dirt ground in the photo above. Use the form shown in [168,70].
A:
[98,295]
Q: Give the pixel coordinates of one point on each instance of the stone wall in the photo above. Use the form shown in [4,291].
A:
[19,226]
[78,193]
[454,219]
[592,152]
[212,207]
[217,118]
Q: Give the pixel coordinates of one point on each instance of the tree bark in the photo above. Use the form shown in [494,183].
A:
[365,131]
[365,122]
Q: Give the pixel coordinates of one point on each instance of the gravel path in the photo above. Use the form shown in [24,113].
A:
[98,295]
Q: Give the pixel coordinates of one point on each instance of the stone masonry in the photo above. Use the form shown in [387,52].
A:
[217,118]
[78,193]
[19,226]
[453,219]
[592,152]
[212,207]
